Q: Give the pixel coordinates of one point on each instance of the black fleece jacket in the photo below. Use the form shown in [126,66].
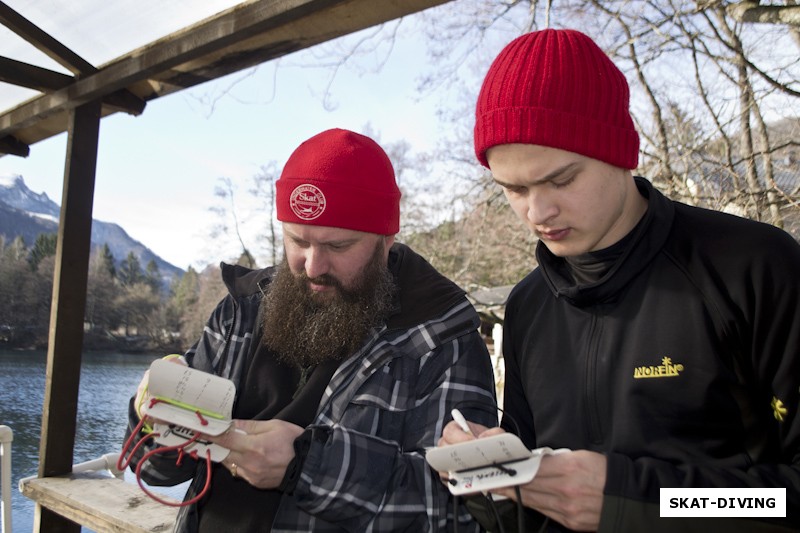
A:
[681,364]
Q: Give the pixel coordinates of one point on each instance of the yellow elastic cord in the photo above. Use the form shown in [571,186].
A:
[192,408]
[147,428]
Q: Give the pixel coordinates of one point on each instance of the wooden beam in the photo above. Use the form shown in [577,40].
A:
[43,41]
[62,379]
[239,23]
[12,146]
[46,81]
[243,36]
[751,11]
[125,101]
[33,77]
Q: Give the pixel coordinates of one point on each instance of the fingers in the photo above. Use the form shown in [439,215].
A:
[241,434]
[233,439]
[260,458]
[260,437]
[234,468]
[454,434]
[141,394]
[489,432]
[253,427]
[568,488]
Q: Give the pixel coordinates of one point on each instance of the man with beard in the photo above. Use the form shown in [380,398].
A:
[348,358]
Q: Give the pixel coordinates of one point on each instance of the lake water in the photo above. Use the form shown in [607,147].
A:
[107,382]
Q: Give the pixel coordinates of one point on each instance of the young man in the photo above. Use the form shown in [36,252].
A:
[659,342]
[348,358]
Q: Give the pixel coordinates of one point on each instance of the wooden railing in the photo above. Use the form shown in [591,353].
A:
[6,437]
[95,496]
[100,503]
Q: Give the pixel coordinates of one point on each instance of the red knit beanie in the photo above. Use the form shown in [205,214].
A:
[557,88]
[340,179]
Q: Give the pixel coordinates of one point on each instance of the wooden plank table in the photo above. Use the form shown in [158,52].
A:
[101,503]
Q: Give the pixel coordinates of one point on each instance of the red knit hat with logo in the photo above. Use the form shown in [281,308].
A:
[557,88]
[340,179]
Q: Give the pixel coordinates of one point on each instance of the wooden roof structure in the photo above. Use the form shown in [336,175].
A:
[247,34]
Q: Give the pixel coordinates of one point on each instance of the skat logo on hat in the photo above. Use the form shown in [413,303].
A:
[307,202]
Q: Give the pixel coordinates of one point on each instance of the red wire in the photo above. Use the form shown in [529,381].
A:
[162,449]
[128,442]
[168,449]
[203,421]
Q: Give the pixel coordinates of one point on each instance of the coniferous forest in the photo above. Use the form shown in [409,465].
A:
[130,307]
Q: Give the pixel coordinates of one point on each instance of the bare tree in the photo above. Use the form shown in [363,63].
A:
[227,213]
[210,290]
[709,93]
[707,135]
[264,191]
[713,86]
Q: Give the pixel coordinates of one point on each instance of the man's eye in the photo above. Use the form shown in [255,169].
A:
[563,183]
[516,190]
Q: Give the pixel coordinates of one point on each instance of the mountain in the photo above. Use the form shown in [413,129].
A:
[27,214]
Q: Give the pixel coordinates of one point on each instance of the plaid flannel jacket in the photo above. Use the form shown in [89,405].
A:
[382,409]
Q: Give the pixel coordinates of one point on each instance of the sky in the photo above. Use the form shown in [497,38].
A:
[156,173]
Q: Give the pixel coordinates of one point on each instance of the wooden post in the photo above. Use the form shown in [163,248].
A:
[59,414]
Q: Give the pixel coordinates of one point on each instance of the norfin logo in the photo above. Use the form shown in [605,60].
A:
[667,369]
[778,409]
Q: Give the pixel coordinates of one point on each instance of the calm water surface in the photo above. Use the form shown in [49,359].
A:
[107,382]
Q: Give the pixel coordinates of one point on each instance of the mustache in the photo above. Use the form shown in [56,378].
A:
[324,279]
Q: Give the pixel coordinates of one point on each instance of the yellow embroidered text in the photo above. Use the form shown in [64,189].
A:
[667,369]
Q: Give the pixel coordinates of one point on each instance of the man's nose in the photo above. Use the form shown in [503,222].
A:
[316,262]
[541,207]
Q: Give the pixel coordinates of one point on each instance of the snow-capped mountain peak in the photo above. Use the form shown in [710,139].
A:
[15,193]
[26,214]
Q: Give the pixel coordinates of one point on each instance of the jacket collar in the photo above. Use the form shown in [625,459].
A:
[423,293]
[651,234]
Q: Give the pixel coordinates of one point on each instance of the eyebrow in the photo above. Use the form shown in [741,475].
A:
[569,168]
[334,242]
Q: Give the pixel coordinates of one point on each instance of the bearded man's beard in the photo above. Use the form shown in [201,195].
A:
[305,329]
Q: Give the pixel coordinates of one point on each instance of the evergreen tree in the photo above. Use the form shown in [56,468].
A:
[16,315]
[108,261]
[130,271]
[185,290]
[45,246]
[101,313]
[153,276]
[16,250]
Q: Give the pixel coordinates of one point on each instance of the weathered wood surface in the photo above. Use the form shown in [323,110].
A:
[248,34]
[101,503]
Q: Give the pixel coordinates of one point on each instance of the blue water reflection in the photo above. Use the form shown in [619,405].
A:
[107,382]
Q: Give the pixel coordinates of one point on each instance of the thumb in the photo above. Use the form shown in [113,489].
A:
[251,427]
